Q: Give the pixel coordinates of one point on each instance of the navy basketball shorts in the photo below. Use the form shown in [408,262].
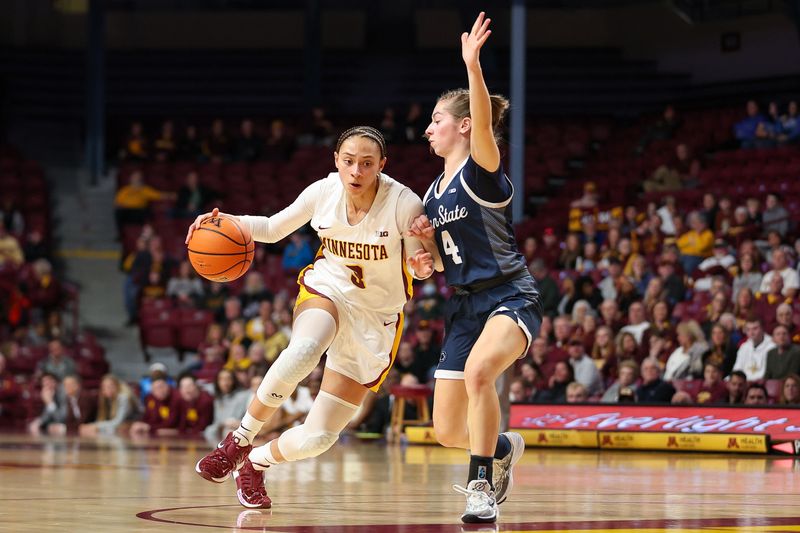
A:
[467,314]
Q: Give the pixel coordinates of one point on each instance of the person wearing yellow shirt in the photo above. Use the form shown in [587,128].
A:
[696,244]
[132,202]
[10,250]
[275,341]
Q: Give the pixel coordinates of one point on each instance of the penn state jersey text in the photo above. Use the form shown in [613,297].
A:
[472,221]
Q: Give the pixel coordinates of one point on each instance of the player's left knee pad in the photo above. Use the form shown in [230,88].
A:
[299,443]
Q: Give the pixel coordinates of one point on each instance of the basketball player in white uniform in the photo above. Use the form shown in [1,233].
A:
[350,304]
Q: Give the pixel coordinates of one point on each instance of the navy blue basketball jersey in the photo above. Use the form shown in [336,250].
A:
[472,222]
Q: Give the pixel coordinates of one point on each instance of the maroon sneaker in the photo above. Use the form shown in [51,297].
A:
[227,457]
[251,491]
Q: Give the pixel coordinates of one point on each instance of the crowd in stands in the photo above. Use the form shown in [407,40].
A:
[682,287]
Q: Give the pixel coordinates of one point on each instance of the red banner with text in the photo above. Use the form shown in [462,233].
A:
[778,423]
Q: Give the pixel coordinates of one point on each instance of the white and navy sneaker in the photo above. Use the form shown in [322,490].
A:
[502,478]
[481,504]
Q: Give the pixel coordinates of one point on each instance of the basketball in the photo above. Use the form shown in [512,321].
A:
[221,249]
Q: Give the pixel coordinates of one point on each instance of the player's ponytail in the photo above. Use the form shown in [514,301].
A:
[458,106]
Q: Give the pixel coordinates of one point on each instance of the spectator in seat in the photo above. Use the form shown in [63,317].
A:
[627,348]
[721,351]
[43,289]
[237,358]
[682,397]
[321,129]
[686,362]
[781,267]
[275,341]
[661,324]
[160,411]
[737,386]
[548,288]
[192,197]
[747,275]
[720,261]
[11,216]
[589,199]
[10,250]
[157,370]
[663,129]
[214,299]
[388,126]
[517,392]
[775,217]
[784,316]
[609,285]
[217,146]
[577,393]
[529,247]
[604,352]
[51,400]
[790,125]
[719,305]
[426,349]
[414,124]
[572,251]
[253,293]
[784,358]
[696,244]
[57,362]
[35,248]
[756,395]
[116,408]
[189,147]
[279,145]
[132,202]
[297,254]
[545,360]
[166,145]
[551,248]
[724,216]
[752,355]
[790,390]
[713,389]
[430,303]
[254,328]
[653,389]
[586,372]
[135,147]
[742,228]
[406,363]
[10,397]
[671,176]
[230,404]
[185,289]
[745,129]
[744,308]
[257,356]
[609,314]
[249,146]
[562,329]
[627,375]
[668,213]
[563,375]
[637,321]
[196,408]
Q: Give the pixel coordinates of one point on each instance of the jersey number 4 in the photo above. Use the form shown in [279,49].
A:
[450,247]
[358,276]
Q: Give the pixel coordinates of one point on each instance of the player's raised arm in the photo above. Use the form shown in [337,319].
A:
[483,146]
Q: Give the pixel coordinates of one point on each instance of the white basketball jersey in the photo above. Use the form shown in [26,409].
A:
[362,264]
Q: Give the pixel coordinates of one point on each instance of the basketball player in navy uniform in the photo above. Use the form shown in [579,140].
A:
[495,311]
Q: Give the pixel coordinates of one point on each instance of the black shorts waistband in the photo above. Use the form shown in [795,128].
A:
[479,286]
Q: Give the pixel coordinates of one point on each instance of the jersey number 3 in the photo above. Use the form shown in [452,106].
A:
[450,247]
[358,276]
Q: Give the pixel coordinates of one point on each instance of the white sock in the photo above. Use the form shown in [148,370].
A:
[262,457]
[248,429]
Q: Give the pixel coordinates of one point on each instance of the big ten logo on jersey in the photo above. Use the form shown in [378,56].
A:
[382,233]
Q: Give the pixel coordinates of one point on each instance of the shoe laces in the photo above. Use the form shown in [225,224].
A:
[476,499]
[252,480]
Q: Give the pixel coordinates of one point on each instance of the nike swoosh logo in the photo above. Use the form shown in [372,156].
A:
[389,323]
[324,227]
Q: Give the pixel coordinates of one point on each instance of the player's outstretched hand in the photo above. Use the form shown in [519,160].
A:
[472,42]
[196,224]
[421,228]
[422,264]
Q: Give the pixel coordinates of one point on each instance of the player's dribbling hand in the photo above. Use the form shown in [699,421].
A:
[472,42]
[421,228]
[421,263]
[196,224]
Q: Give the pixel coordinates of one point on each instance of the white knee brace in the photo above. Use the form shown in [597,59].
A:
[313,332]
[328,417]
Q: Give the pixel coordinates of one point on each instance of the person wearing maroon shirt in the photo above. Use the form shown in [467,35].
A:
[10,397]
[196,407]
[161,411]
[713,389]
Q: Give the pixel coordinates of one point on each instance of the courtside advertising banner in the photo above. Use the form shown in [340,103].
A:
[778,423]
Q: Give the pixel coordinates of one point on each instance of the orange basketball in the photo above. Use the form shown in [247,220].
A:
[221,249]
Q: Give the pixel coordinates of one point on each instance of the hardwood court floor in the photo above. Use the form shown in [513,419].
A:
[70,485]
